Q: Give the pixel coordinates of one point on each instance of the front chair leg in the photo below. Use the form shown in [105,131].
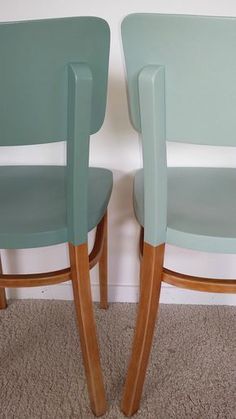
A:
[79,261]
[103,268]
[151,275]
[3,298]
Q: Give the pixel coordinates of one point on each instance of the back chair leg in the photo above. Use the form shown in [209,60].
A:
[3,298]
[151,276]
[103,269]
[79,261]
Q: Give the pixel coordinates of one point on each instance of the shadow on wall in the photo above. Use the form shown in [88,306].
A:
[117,116]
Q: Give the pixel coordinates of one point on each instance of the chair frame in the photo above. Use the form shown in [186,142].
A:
[190,282]
[78,113]
[78,272]
[150,121]
[153,274]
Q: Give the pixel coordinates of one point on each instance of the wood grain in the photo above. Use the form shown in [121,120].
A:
[199,284]
[78,272]
[35,280]
[195,283]
[84,308]
[151,274]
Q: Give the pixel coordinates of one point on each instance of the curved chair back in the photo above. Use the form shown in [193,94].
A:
[34,76]
[53,84]
[198,56]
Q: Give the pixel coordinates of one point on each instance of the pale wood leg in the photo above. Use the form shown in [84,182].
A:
[84,309]
[151,275]
[3,299]
[103,269]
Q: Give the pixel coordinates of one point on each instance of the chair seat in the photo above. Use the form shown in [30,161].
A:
[201,212]
[33,204]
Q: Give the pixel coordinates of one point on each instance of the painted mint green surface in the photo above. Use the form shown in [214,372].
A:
[201,208]
[198,54]
[34,76]
[151,84]
[182,87]
[33,210]
[79,117]
[53,83]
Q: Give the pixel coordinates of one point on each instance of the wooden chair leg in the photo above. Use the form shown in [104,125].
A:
[3,298]
[151,275]
[83,302]
[103,269]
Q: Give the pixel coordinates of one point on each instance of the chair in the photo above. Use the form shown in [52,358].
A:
[181,73]
[53,82]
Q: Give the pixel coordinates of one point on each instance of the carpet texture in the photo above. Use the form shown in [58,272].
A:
[192,370]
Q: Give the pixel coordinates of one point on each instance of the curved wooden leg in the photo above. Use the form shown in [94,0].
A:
[3,298]
[83,302]
[151,274]
[103,269]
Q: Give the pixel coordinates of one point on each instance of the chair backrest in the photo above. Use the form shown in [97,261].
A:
[199,56]
[34,58]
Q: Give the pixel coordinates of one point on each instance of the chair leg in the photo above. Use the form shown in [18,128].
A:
[3,298]
[151,274]
[84,309]
[103,269]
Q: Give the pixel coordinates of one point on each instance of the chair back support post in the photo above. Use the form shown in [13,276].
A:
[80,83]
[151,87]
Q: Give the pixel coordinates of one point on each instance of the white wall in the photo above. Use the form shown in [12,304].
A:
[117,147]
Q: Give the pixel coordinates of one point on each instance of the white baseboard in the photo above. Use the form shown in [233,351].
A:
[125,293]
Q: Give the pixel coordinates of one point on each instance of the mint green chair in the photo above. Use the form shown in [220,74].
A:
[181,73]
[53,84]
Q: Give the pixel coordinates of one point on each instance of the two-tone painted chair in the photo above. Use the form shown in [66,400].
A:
[53,83]
[181,74]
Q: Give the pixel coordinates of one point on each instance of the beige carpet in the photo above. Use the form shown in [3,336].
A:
[192,371]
